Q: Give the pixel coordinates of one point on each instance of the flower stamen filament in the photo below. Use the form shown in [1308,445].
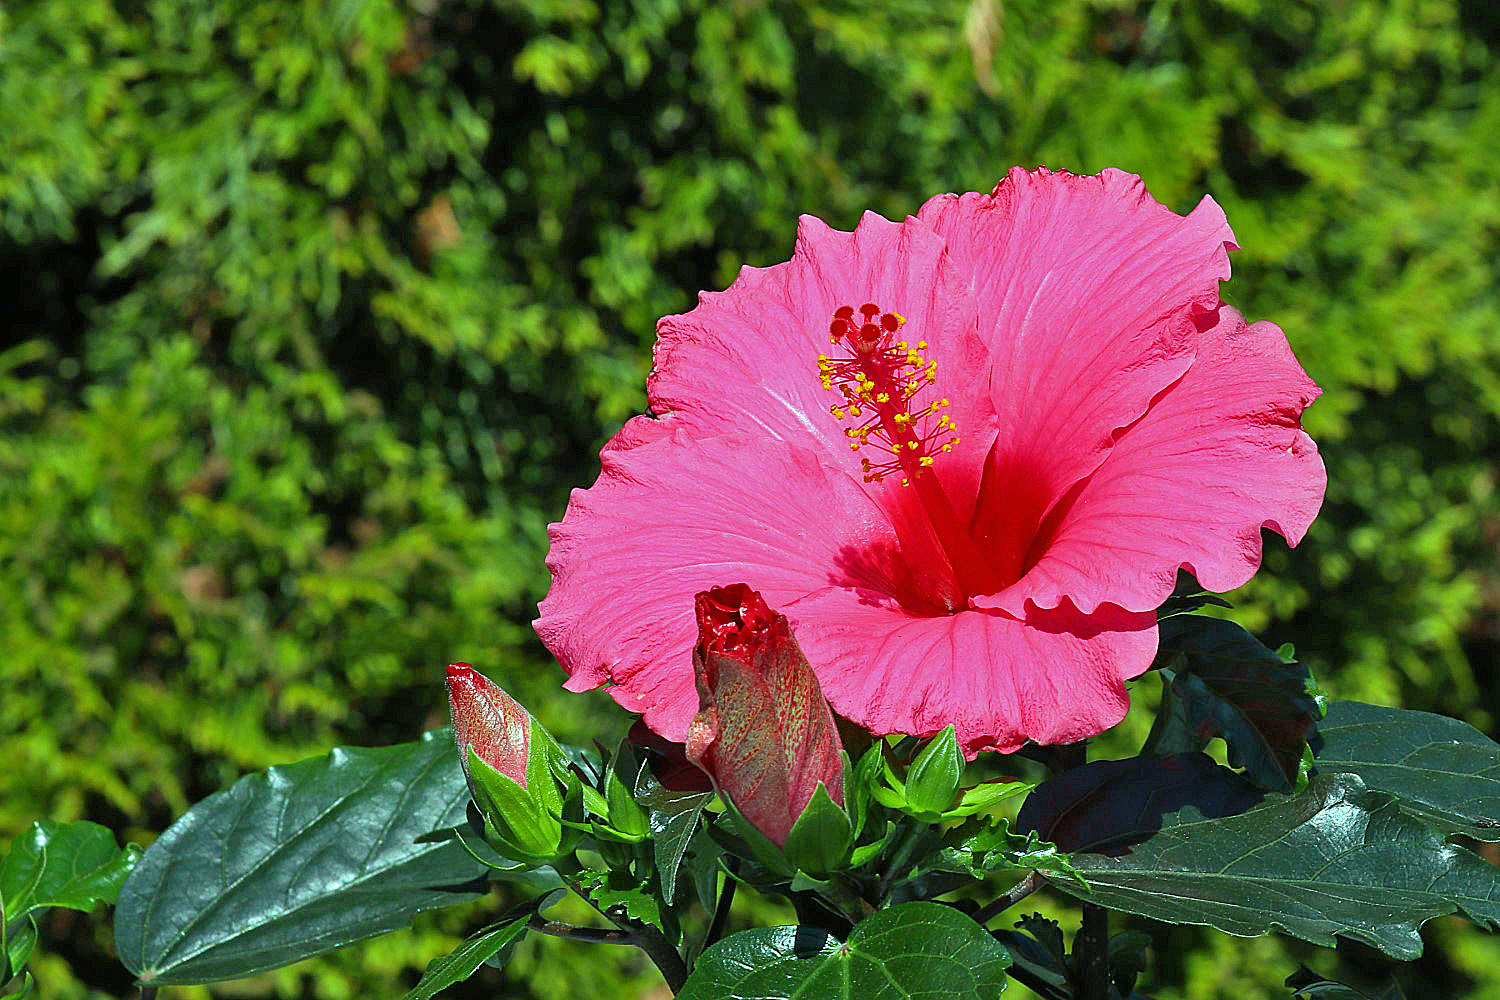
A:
[880,380]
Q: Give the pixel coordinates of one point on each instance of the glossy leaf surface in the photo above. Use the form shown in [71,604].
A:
[673,816]
[916,950]
[1338,859]
[298,860]
[73,865]
[1443,770]
[76,865]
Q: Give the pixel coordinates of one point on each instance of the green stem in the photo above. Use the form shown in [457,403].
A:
[906,842]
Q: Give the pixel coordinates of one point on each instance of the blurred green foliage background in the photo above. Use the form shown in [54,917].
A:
[314,310]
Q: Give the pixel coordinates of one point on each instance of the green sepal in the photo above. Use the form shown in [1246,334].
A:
[819,841]
[886,788]
[750,842]
[932,778]
[862,779]
[985,796]
[864,853]
[803,882]
[623,816]
[519,823]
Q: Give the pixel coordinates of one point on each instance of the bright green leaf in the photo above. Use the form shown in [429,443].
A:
[915,951]
[477,949]
[75,865]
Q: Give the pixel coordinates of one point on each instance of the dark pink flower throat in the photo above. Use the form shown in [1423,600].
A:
[880,380]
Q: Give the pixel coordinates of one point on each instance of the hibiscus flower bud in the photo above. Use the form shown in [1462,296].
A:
[764,732]
[513,767]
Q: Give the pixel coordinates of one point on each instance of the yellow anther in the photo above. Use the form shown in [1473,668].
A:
[901,345]
[903,418]
[884,397]
[899,318]
[946,447]
[921,345]
[854,446]
[926,460]
[851,432]
[855,411]
[837,411]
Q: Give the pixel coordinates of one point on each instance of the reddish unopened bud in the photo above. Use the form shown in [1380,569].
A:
[489,722]
[764,731]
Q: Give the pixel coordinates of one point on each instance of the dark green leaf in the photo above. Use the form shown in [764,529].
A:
[296,861]
[1188,596]
[1128,959]
[673,817]
[1038,957]
[477,949]
[1336,859]
[915,950]
[1443,770]
[1107,804]
[1225,683]
[76,865]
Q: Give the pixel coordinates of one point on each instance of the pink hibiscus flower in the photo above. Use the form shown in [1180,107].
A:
[965,455]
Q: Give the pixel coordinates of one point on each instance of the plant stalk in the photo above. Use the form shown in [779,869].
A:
[645,937]
[1091,954]
[721,908]
[597,935]
[1031,883]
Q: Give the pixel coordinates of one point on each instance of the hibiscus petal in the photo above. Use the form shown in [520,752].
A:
[1055,677]
[1087,292]
[746,358]
[678,515]
[1220,455]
